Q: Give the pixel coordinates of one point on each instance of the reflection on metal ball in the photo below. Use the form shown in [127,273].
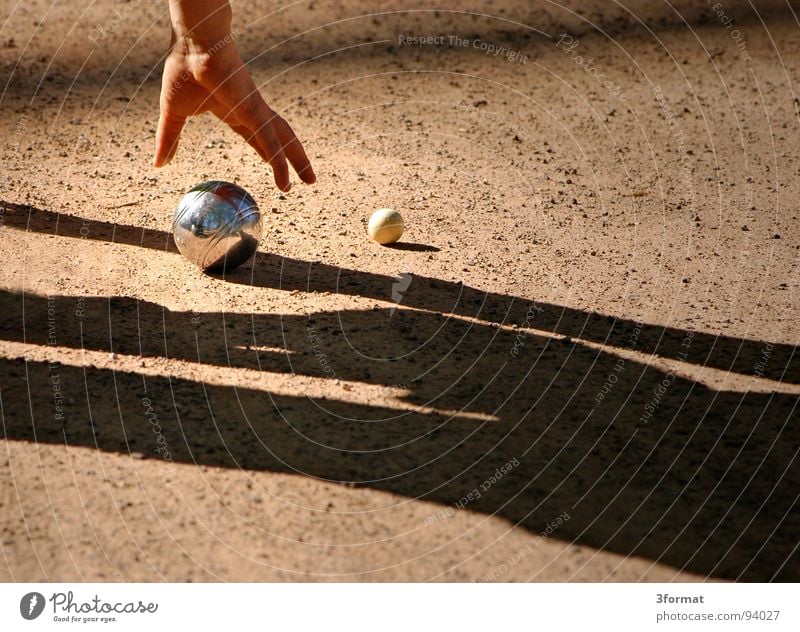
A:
[217,226]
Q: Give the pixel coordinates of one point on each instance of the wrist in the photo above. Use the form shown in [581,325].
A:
[200,25]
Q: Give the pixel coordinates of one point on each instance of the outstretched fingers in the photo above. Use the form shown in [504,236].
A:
[244,105]
[293,149]
[270,145]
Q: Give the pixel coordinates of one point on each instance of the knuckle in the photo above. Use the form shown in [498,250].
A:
[204,70]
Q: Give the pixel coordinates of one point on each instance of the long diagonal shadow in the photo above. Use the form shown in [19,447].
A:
[761,358]
[653,464]
[709,485]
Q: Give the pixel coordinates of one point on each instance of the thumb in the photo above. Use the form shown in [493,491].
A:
[169,130]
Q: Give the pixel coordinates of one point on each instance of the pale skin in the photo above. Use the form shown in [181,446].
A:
[204,73]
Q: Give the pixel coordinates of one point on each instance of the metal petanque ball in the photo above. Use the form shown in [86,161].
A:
[217,226]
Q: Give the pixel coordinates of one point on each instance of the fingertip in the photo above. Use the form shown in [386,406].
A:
[280,171]
[157,154]
[167,139]
[308,176]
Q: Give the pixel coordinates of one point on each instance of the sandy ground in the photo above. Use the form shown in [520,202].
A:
[588,373]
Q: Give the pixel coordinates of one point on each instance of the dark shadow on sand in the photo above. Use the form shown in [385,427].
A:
[700,479]
[743,356]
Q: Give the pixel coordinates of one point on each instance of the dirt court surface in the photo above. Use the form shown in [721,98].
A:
[579,364]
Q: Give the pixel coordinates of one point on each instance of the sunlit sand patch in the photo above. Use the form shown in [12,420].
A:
[276,383]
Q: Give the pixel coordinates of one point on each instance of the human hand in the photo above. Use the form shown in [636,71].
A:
[204,72]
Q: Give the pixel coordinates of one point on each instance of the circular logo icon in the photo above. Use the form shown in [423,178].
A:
[31,605]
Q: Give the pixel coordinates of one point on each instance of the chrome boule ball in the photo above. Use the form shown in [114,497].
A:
[217,226]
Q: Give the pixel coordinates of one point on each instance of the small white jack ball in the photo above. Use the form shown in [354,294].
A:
[385,226]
